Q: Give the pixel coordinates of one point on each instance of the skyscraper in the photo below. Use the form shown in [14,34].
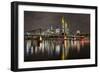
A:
[65,26]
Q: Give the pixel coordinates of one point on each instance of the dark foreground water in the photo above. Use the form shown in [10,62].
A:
[56,50]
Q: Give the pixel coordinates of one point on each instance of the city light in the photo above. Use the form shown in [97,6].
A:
[54,42]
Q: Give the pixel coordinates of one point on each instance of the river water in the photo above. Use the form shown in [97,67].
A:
[56,49]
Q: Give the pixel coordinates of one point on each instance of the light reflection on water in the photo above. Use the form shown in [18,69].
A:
[51,47]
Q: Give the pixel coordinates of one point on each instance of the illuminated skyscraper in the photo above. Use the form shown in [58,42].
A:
[65,26]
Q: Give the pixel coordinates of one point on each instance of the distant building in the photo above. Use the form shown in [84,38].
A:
[65,26]
[78,32]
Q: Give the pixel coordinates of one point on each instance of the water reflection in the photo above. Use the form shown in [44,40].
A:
[55,49]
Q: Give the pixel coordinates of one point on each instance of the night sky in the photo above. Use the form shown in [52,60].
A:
[35,20]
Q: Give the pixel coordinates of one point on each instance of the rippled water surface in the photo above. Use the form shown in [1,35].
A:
[56,49]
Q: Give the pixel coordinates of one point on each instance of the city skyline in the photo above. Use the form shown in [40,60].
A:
[56,36]
[35,20]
